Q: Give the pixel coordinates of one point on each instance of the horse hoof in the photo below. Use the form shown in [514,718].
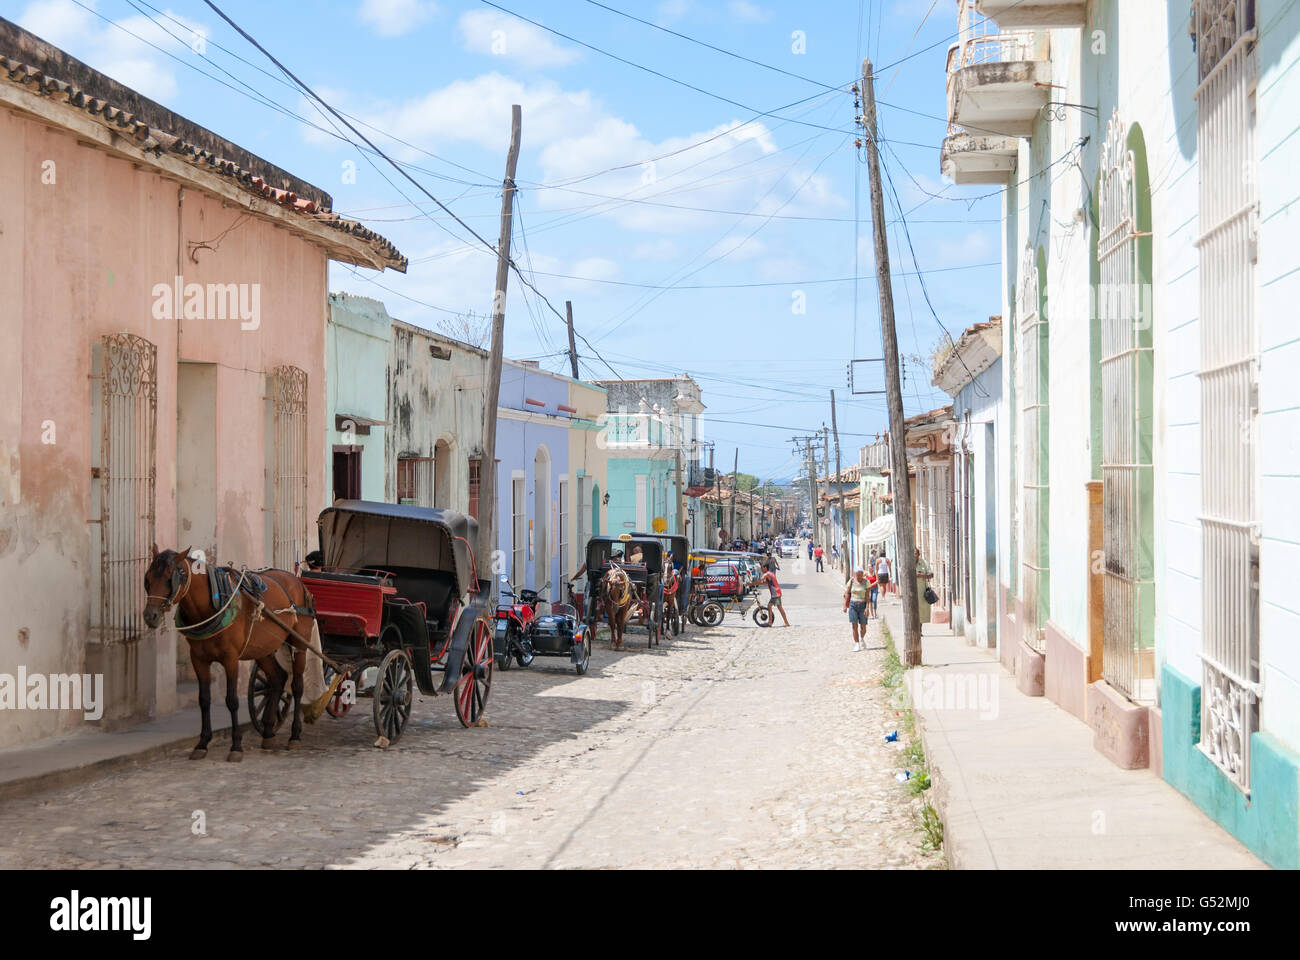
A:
[235,756]
[199,753]
[295,744]
[268,743]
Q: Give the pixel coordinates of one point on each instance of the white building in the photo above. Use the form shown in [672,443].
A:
[972,375]
[1151,266]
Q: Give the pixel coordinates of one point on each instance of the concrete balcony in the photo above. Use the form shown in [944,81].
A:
[998,83]
[1033,14]
[970,159]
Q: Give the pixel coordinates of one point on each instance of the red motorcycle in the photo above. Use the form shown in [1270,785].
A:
[516,616]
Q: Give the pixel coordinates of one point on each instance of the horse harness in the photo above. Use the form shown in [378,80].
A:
[227,588]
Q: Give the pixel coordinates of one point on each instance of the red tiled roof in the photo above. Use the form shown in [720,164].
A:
[152,139]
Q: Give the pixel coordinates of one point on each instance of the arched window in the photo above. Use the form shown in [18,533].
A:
[541,517]
[441,475]
[1125,314]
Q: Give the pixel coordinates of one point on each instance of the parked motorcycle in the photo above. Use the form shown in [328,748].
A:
[517,612]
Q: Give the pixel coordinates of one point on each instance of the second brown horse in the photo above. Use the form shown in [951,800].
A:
[618,596]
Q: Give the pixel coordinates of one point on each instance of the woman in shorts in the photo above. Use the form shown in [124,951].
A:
[855,603]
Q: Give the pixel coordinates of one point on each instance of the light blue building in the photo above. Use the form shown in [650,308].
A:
[653,441]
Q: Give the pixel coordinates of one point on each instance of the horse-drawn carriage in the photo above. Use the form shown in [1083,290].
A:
[397,595]
[625,580]
[676,577]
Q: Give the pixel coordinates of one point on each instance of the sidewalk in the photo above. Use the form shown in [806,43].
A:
[1019,786]
[65,761]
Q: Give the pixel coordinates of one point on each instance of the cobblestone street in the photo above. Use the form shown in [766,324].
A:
[730,747]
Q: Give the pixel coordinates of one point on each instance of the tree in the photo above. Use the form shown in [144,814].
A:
[471,328]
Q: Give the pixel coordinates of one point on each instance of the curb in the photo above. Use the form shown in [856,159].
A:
[93,770]
[941,792]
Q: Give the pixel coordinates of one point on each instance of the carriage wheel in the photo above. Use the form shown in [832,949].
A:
[581,666]
[394,688]
[259,688]
[337,706]
[712,613]
[475,681]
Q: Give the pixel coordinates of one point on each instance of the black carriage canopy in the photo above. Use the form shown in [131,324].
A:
[602,549]
[359,534]
[681,547]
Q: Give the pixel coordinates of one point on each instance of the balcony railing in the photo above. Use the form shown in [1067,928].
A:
[985,100]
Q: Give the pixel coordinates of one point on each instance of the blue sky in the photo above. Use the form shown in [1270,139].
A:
[694,226]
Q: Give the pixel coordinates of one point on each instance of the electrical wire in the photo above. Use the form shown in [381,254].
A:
[702,43]
[646,69]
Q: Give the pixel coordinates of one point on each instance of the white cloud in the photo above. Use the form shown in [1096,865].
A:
[497,34]
[656,251]
[670,11]
[974,247]
[393,18]
[571,134]
[112,50]
[748,12]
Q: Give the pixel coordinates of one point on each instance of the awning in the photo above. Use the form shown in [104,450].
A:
[879,530]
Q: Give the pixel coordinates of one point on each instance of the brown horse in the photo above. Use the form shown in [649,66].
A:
[672,582]
[244,628]
[618,596]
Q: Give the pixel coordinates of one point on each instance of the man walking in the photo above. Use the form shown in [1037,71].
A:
[818,553]
[855,603]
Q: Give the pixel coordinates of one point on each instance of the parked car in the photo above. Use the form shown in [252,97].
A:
[724,578]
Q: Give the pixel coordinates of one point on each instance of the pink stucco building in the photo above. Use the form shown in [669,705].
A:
[163,368]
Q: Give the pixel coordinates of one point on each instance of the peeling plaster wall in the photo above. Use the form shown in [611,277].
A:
[82,255]
[431,400]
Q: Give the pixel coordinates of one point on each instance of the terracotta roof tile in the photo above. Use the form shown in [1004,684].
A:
[160,141]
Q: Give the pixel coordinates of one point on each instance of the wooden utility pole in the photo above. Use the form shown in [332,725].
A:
[573,349]
[492,394]
[826,458]
[812,488]
[904,535]
[839,483]
[735,490]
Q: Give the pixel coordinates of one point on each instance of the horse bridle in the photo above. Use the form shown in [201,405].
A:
[180,578]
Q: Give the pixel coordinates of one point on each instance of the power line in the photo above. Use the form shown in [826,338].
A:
[514,266]
[643,67]
[702,43]
[728,253]
[761,283]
